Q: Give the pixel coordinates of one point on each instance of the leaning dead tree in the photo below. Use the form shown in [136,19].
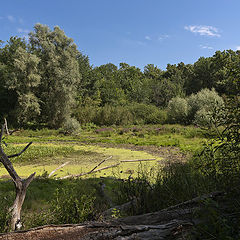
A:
[21,185]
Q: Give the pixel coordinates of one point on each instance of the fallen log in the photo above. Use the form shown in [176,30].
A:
[101,231]
[171,223]
[92,171]
[139,160]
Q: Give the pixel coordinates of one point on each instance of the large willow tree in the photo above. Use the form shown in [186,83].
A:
[59,72]
[19,81]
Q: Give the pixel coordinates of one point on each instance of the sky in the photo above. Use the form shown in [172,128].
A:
[137,32]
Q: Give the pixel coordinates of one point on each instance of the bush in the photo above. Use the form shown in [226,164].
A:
[203,106]
[71,125]
[86,114]
[202,109]
[108,115]
[147,114]
[113,115]
[5,200]
[70,206]
[178,110]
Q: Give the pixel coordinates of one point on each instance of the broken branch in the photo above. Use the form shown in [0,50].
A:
[18,154]
[97,170]
[61,166]
[138,160]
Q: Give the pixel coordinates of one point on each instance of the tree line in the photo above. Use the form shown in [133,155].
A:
[47,81]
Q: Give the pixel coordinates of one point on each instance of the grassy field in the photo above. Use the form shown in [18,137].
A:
[51,149]
[84,151]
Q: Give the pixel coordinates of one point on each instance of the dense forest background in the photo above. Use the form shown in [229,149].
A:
[47,82]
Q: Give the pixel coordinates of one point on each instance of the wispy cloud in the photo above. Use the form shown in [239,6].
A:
[238,48]
[140,43]
[206,47]
[20,30]
[11,18]
[148,38]
[203,30]
[164,36]
[21,21]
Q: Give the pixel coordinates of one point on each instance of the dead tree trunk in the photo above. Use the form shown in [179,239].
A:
[20,184]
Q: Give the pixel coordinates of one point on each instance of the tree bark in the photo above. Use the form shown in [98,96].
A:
[21,185]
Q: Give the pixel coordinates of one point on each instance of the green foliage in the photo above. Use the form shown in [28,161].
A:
[36,152]
[220,158]
[147,114]
[175,183]
[202,108]
[71,126]
[204,103]
[5,200]
[137,113]
[216,222]
[20,77]
[72,206]
[178,110]
[59,73]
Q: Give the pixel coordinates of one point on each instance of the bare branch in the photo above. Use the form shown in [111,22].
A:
[61,166]
[18,154]
[99,164]
[6,127]
[138,160]
[97,170]
[20,184]
[1,134]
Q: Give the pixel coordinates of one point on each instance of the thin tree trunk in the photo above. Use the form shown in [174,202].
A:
[21,185]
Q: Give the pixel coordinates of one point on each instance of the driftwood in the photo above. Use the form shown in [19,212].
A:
[20,184]
[138,160]
[102,231]
[61,166]
[94,170]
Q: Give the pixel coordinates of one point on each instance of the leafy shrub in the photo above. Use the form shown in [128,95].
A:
[86,114]
[147,114]
[220,157]
[113,115]
[71,125]
[203,106]
[5,200]
[70,206]
[178,110]
[105,132]
[108,115]
[175,183]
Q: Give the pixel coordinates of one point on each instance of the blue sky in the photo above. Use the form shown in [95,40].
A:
[137,32]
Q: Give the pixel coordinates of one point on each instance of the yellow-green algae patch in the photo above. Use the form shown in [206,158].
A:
[79,164]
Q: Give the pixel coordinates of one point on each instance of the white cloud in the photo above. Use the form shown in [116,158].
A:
[148,38]
[11,18]
[20,30]
[164,36]
[206,47]
[238,48]
[203,30]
